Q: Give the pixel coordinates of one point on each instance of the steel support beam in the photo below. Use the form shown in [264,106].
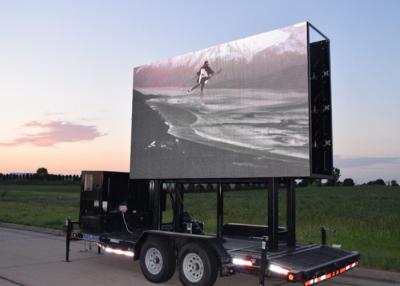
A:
[291,213]
[220,212]
[273,213]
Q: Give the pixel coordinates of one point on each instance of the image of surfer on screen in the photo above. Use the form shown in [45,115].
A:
[203,75]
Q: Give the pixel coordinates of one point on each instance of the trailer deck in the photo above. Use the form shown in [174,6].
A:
[301,263]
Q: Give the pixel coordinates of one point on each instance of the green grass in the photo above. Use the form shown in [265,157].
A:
[366,219]
[39,205]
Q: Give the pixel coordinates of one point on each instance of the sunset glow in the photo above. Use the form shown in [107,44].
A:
[66,75]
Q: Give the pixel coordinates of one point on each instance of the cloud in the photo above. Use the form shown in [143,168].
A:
[363,162]
[364,169]
[50,133]
[51,113]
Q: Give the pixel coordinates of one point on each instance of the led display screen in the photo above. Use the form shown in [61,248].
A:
[234,110]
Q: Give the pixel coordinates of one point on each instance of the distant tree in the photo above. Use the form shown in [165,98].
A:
[335,178]
[42,172]
[190,188]
[209,188]
[348,182]
[199,188]
[309,182]
[303,183]
[394,183]
[380,182]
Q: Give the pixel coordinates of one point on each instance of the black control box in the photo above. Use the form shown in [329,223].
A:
[102,193]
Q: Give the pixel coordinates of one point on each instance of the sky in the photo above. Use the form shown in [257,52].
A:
[66,74]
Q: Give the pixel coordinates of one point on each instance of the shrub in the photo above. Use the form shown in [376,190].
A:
[348,182]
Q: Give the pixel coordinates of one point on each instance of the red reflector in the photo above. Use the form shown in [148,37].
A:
[330,275]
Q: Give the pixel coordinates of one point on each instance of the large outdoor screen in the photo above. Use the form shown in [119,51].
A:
[234,110]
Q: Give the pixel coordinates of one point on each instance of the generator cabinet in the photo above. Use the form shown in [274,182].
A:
[101,195]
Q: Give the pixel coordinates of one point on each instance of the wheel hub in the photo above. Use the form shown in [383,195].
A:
[153,261]
[193,267]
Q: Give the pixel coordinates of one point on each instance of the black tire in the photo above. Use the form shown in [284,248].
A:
[189,257]
[153,270]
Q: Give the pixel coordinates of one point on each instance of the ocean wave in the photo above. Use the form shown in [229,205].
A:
[258,120]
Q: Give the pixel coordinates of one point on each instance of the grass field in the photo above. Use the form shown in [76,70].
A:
[366,219]
[39,205]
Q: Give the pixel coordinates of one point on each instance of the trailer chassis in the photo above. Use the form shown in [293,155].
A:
[259,250]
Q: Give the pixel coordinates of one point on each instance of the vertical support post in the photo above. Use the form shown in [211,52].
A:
[264,262]
[68,238]
[178,207]
[156,185]
[220,212]
[323,235]
[273,213]
[182,195]
[291,213]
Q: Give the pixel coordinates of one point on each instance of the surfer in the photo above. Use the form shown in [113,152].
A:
[203,75]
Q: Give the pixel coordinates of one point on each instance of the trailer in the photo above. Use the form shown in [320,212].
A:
[200,257]
[123,212]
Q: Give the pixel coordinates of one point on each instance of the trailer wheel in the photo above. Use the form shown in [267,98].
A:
[197,265]
[157,260]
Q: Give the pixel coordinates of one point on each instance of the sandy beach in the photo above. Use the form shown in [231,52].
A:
[158,154]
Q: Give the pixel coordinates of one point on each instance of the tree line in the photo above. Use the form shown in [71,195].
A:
[41,175]
[347,182]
